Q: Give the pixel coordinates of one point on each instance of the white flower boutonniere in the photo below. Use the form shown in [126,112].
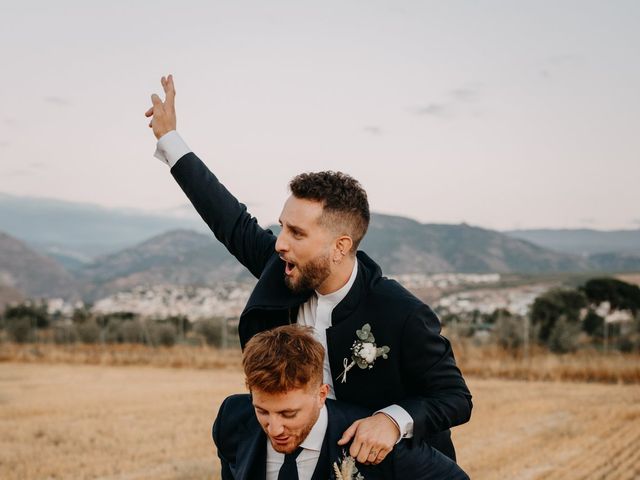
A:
[345,469]
[364,352]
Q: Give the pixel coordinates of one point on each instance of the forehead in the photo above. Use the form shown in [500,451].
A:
[276,402]
[301,211]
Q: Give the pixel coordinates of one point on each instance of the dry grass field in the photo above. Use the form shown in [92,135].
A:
[60,421]
[486,361]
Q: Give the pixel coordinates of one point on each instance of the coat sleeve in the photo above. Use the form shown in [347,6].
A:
[439,396]
[227,218]
[220,436]
[422,462]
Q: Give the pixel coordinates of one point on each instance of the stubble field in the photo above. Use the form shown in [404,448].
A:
[116,422]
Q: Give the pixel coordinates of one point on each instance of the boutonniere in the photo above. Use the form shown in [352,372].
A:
[364,352]
[345,469]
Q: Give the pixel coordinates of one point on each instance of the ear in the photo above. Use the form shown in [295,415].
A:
[324,391]
[343,247]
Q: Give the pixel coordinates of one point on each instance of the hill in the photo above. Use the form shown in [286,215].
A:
[400,245]
[582,241]
[75,233]
[178,257]
[26,272]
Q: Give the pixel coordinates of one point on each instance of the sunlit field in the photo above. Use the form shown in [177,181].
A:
[60,421]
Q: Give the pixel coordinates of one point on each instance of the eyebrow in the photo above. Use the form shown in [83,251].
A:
[293,227]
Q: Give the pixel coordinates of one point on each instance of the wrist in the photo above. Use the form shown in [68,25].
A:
[393,422]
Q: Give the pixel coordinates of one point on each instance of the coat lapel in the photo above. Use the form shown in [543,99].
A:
[252,457]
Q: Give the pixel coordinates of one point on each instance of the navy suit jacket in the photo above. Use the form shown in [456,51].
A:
[241,445]
[420,373]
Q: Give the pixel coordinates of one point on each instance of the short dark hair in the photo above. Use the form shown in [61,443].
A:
[345,204]
[283,358]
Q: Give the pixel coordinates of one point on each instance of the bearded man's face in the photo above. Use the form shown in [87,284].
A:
[304,244]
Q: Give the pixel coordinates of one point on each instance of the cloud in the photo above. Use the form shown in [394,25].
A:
[454,98]
[37,165]
[60,101]
[557,63]
[588,221]
[373,130]
[4,144]
[433,109]
[636,221]
[465,94]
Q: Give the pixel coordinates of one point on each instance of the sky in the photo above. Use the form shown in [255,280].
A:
[499,114]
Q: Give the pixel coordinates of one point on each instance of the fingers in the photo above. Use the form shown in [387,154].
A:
[363,451]
[155,99]
[381,456]
[169,90]
[149,112]
[373,439]
[349,433]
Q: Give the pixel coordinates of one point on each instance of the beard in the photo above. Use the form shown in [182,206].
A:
[311,275]
[294,442]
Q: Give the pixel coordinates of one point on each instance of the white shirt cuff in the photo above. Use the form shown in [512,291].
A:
[171,148]
[402,419]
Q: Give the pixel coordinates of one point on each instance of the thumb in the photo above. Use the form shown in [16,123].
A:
[349,433]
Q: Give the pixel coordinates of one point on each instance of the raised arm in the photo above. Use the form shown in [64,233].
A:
[227,218]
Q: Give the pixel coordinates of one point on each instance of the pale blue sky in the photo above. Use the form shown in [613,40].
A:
[501,114]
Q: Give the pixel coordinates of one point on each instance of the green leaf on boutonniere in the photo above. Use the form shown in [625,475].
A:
[364,332]
[382,352]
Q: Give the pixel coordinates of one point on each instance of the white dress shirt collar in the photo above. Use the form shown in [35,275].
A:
[316,435]
[334,298]
[308,458]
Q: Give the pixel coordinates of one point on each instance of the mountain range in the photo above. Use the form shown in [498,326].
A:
[59,259]
[583,241]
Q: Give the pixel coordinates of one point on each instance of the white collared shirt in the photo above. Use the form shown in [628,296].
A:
[315,312]
[308,458]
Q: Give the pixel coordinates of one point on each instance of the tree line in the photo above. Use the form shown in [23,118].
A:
[29,322]
[564,319]
[561,319]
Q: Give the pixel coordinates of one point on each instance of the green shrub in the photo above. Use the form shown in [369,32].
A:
[65,334]
[19,329]
[564,336]
[163,334]
[132,331]
[211,331]
[508,332]
[88,332]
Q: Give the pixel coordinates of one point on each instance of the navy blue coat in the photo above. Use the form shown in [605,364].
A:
[241,445]
[420,373]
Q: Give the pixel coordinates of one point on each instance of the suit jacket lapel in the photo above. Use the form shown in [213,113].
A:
[252,457]
[331,451]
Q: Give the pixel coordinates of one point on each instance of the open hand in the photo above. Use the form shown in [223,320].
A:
[373,438]
[163,113]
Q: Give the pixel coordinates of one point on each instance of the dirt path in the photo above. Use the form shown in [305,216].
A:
[98,422]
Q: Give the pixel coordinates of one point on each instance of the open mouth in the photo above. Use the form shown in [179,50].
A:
[289,267]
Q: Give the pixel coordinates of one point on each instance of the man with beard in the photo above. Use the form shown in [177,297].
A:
[288,430]
[384,348]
